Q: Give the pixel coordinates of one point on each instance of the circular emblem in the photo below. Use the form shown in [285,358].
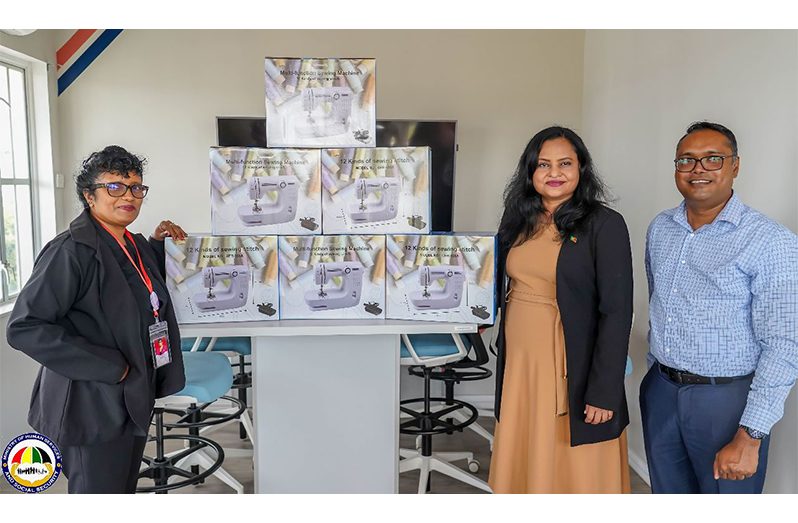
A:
[31,462]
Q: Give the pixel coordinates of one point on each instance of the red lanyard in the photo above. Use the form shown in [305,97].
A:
[139,269]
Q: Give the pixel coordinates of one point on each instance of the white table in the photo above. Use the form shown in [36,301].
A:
[325,401]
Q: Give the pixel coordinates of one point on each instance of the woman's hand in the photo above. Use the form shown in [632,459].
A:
[167,228]
[595,415]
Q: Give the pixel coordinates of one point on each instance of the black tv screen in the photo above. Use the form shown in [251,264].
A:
[439,135]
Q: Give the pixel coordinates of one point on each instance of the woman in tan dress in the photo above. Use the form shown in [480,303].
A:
[563,338]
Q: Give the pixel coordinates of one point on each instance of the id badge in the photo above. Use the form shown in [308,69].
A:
[159,343]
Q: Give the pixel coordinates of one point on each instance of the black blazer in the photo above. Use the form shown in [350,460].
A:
[78,318]
[594,294]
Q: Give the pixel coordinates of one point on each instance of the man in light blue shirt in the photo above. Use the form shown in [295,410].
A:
[723,328]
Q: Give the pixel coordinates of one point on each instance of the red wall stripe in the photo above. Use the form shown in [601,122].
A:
[66,51]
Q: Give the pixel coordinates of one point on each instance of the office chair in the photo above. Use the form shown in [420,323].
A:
[208,377]
[433,356]
[242,380]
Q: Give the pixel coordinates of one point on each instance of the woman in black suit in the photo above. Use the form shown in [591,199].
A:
[86,315]
[565,289]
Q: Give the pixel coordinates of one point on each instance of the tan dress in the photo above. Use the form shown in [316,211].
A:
[532,451]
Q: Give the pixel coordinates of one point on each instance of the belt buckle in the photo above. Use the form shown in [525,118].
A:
[675,375]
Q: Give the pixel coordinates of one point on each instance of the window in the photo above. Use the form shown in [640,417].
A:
[16,172]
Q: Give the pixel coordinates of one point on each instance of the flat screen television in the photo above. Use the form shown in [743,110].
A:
[439,135]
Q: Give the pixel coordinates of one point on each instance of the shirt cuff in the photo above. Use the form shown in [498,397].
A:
[757,419]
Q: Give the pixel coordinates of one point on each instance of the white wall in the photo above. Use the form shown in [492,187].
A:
[17,371]
[641,90]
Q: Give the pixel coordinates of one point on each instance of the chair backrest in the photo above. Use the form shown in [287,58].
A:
[473,340]
[199,344]
[418,356]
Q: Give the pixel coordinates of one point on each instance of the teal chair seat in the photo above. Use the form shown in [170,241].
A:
[430,345]
[208,376]
[240,345]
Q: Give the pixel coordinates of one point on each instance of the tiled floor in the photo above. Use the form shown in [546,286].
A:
[241,468]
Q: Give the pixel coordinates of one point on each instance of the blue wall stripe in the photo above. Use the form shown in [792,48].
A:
[85,60]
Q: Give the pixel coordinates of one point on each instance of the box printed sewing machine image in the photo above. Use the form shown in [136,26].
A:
[259,191]
[379,190]
[320,102]
[332,277]
[441,277]
[223,278]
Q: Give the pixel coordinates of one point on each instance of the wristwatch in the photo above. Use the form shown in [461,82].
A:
[755,434]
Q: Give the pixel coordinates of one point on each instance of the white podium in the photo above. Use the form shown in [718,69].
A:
[325,401]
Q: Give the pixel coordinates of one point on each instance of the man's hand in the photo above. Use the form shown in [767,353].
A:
[739,459]
[167,228]
[595,415]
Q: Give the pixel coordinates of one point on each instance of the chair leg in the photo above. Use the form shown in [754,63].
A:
[410,464]
[206,462]
[188,461]
[454,456]
[423,479]
[239,453]
[249,427]
[458,474]
[408,453]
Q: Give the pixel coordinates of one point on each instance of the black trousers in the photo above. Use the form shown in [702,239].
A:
[104,468]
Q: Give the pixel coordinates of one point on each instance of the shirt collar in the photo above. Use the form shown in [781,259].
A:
[732,212]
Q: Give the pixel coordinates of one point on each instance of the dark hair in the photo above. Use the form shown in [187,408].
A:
[722,129]
[113,159]
[523,205]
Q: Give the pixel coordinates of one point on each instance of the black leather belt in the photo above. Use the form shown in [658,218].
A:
[688,378]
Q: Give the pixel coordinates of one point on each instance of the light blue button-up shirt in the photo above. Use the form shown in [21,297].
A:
[723,301]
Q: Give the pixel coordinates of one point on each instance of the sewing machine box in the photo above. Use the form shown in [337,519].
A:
[332,277]
[383,190]
[265,191]
[320,102]
[223,278]
[441,277]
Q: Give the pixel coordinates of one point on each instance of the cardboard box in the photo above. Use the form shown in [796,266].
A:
[384,190]
[332,277]
[441,277]
[265,191]
[320,102]
[223,278]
